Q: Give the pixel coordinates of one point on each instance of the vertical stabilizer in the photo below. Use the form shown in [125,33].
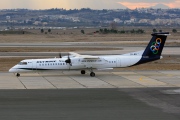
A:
[154,48]
[156,45]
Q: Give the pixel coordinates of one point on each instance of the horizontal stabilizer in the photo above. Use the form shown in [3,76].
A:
[161,34]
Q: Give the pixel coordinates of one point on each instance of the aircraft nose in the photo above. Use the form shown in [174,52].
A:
[12,70]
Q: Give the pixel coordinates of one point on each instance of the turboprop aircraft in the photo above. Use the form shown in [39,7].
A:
[75,61]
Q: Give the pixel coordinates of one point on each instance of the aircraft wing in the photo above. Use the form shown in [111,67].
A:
[83,56]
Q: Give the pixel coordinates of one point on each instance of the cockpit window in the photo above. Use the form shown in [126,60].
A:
[22,63]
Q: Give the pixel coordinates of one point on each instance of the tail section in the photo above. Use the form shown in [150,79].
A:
[154,48]
[156,45]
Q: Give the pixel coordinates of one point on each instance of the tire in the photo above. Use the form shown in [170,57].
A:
[92,74]
[18,75]
[83,72]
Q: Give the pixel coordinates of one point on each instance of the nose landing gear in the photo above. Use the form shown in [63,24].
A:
[18,75]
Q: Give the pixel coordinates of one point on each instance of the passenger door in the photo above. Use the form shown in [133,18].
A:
[118,62]
[34,65]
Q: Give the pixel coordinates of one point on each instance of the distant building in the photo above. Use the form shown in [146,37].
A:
[144,21]
[75,19]
[8,17]
[44,23]
[117,20]
[37,23]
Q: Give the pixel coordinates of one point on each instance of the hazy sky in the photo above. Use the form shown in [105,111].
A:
[94,4]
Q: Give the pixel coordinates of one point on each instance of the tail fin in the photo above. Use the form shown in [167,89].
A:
[154,49]
[156,45]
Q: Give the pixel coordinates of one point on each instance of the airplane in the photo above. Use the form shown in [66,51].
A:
[75,61]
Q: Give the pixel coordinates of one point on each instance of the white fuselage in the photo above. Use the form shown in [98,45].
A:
[78,63]
[75,61]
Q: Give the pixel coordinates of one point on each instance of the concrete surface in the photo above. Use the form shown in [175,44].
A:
[106,79]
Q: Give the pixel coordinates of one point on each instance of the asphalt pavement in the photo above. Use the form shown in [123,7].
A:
[90,104]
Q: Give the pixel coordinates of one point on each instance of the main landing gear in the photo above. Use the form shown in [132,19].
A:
[18,75]
[83,72]
[92,74]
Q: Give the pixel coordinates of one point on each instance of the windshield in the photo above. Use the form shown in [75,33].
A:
[22,63]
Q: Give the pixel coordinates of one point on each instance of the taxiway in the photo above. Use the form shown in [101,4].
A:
[73,79]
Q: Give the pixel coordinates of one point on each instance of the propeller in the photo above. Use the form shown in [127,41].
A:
[68,61]
[60,56]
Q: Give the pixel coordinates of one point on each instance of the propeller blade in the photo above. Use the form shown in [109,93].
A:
[68,56]
[68,61]
[60,56]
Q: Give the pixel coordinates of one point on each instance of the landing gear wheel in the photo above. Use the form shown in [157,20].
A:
[83,72]
[18,75]
[92,74]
